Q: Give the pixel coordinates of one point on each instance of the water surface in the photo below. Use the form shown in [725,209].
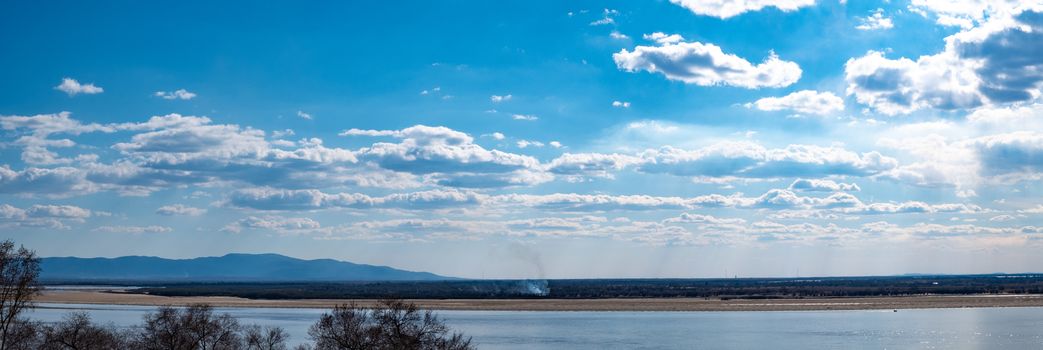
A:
[985,328]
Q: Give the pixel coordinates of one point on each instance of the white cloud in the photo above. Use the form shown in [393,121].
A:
[555,144]
[620,104]
[591,164]
[902,86]
[311,199]
[449,155]
[1034,210]
[707,65]
[585,202]
[750,160]
[615,34]
[1002,218]
[43,216]
[274,223]
[687,218]
[965,13]
[805,101]
[72,87]
[994,63]
[816,185]
[876,21]
[500,98]
[134,229]
[527,143]
[663,38]
[606,19]
[1017,153]
[50,182]
[525,117]
[303,115]
[179,94]
[57,211]
[724,9]
[180,210]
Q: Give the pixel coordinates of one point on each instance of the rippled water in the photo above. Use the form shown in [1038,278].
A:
[989,328]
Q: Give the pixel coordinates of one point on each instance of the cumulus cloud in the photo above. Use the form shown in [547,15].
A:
[607,18]
[57,211]
[591,164]
[50,182]
[72,87]
[621,104]
[182,144]
[496,136]
[964,13]
[805,101]
[902,86]
[687,218]
[663,38]
[175,150]
[527,143]
[995,63]
[280,199]
[447,154]
[751,160]
[180,210]
[707,65]
[615,34]
[915,207]
[134,229]
[586,202]
[179,94]
[500,98]
[876,21]
[725,9]
[303,115]
[273,223]
[816,185]
[1038,209]
[42,216]
[1011,153]
[36,132]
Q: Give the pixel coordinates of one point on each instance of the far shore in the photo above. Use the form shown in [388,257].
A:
[643,304]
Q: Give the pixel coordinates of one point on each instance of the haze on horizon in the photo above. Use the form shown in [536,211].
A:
[519,139]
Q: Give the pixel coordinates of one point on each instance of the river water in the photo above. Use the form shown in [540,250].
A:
[972,328]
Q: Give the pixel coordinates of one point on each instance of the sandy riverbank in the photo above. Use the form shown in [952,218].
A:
[678,304]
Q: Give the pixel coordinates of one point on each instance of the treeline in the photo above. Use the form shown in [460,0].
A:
[392,324]
[620,288]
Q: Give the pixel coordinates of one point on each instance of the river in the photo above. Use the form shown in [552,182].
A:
[972,328]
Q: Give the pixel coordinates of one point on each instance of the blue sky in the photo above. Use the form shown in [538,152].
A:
[682,138]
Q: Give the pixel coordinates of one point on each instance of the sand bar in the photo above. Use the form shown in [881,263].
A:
[659,304]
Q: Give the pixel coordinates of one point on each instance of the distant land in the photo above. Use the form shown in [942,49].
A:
[227,268]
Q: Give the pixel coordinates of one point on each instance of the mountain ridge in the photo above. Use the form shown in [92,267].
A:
[231,267]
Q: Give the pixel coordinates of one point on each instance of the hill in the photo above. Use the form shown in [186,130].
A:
[227,268]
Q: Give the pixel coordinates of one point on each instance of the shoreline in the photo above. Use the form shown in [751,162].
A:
[642,304]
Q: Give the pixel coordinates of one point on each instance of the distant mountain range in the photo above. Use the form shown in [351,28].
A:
[228,268]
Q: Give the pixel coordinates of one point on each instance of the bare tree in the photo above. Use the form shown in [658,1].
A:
[23,335]
[19,270]
[266,338]
[77,332]
[192,328]
[392,324]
